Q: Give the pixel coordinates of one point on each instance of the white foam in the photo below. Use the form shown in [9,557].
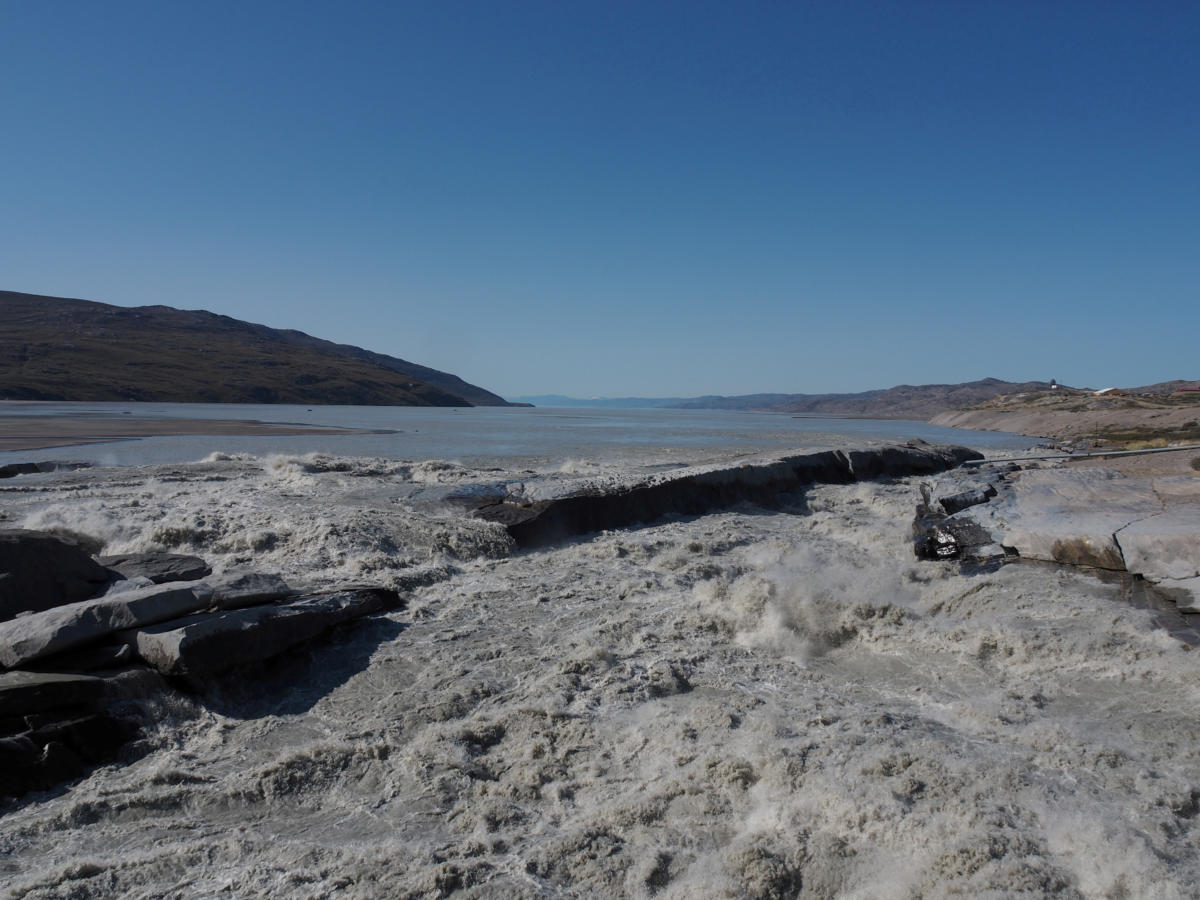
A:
[748,703]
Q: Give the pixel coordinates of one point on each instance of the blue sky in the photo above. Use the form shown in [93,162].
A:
[617,198]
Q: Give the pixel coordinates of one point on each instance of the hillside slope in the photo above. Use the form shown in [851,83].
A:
[1136,414]
[905,401]
[54,348]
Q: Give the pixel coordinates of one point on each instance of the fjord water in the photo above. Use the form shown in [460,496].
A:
[750,703]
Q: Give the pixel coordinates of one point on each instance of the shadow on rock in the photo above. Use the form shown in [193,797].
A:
[294,682]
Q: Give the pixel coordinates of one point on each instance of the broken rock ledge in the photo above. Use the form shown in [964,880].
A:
[765,480]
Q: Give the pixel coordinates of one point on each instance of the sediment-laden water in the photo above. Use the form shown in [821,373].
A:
[742,704]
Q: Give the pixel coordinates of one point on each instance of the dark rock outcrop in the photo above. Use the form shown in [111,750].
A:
[39,571]
[52,728]
[938,534]
[22,693]
[44,757]
[973,497]
[158,567]
[766,481]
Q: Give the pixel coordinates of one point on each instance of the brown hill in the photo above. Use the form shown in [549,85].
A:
[1150,413]
[905,401]
[53,348]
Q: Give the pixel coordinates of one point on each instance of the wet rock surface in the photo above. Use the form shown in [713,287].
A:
[22,693]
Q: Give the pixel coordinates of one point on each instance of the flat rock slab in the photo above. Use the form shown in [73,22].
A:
[1068,516]
[1163,546]
[1091,516]
[158,567]
[234,591]
[203,645]
[51,631]
[22,693]
[40,571]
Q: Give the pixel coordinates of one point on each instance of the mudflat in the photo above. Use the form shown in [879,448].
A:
[39,432]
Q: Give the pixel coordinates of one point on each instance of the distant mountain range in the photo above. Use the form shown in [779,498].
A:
[602,402]
[903,402]
[54,348]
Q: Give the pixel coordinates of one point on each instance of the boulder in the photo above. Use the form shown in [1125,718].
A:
[158,567]
[51,631]
[203,645]
[973,497]
[40,571]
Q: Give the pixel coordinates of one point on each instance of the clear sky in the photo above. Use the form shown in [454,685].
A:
[612,198]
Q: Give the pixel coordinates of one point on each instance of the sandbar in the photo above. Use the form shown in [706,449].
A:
[40,432]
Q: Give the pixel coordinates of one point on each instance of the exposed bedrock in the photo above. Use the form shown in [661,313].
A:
[767,481]
[1096,517]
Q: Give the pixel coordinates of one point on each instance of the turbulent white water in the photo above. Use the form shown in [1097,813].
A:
[743,704]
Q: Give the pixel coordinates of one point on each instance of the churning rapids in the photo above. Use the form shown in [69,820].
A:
[748,703]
